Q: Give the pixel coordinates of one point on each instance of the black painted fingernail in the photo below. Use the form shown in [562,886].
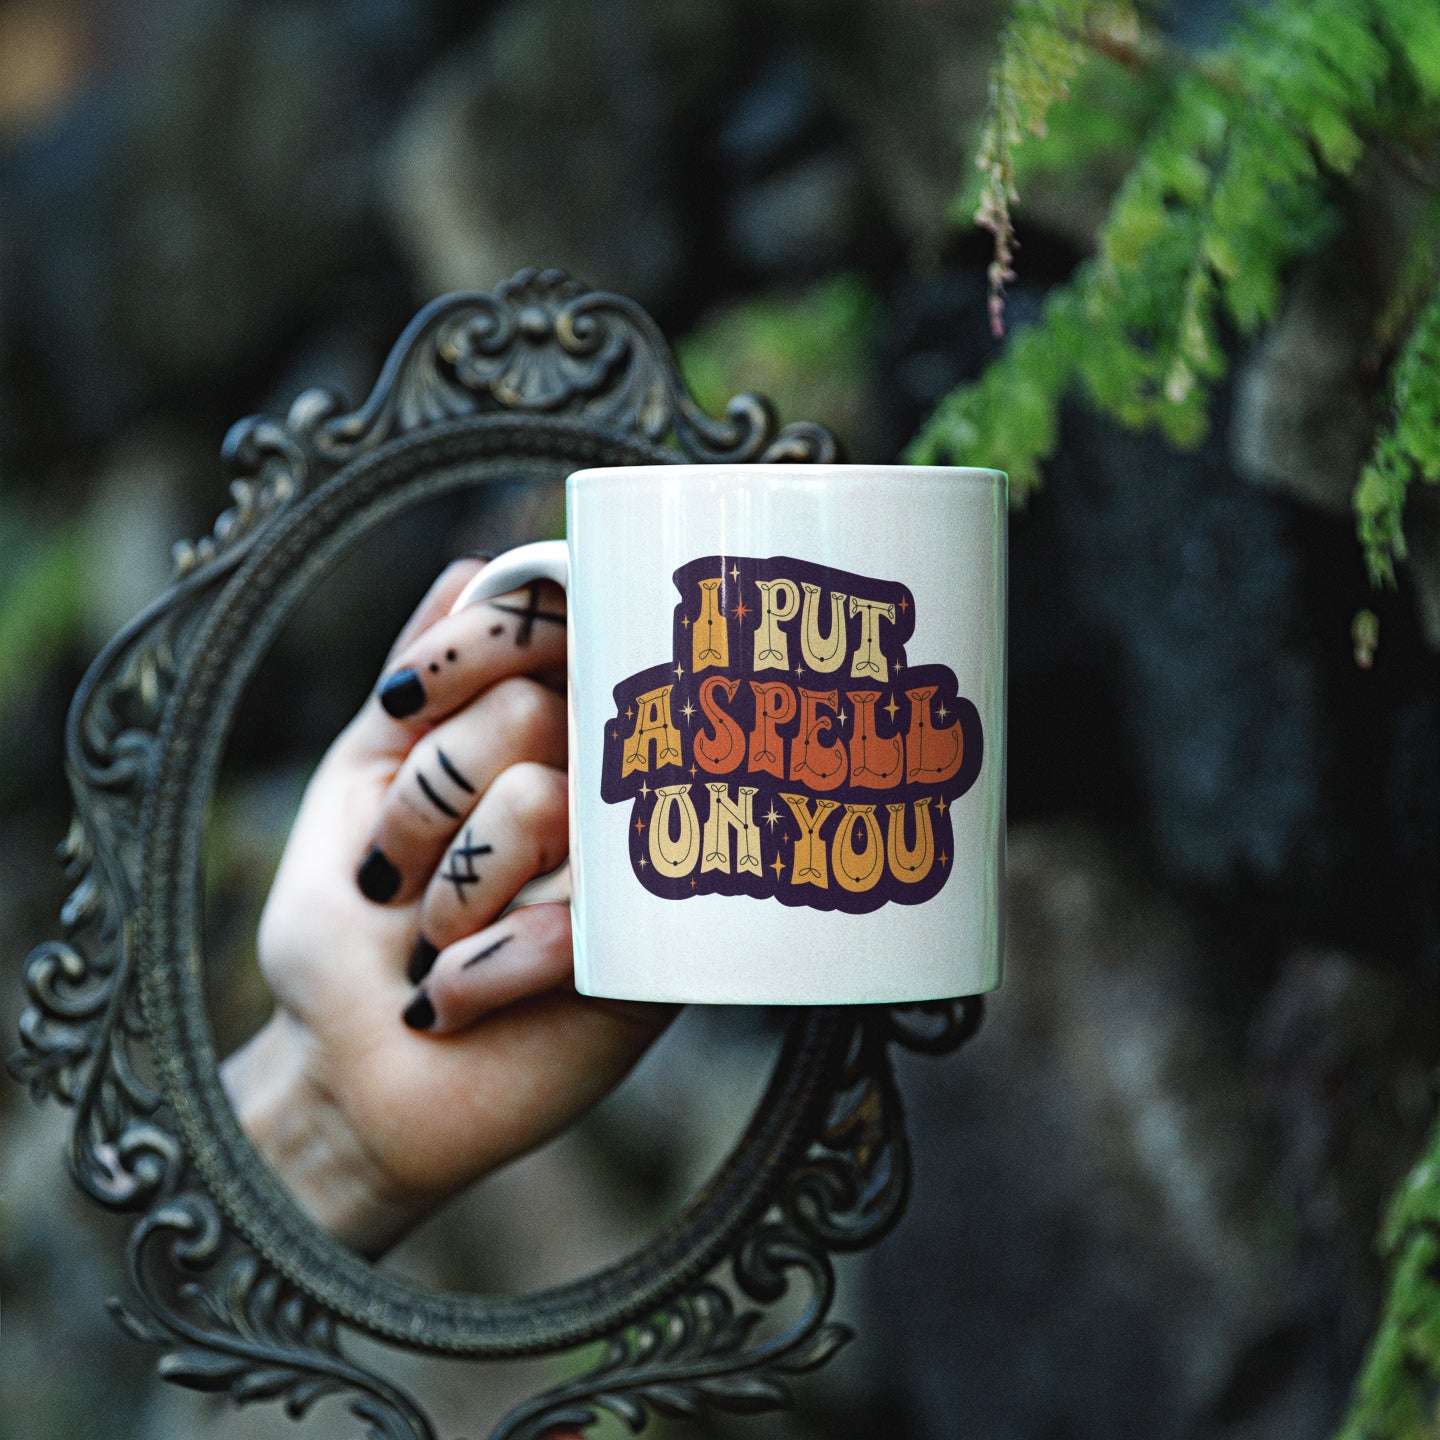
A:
[419,1013]
[402,693]
[422,957]
[377,878]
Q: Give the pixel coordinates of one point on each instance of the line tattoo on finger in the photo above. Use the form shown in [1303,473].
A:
[488,951]
[530,614]
[460,869]
[430,793]
[448,766]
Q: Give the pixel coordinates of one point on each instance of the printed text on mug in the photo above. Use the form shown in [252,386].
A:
[788,749]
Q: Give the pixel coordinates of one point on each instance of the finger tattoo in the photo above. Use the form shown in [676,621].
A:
[530,614]
[448,766]
[460,870]
[429,792]
[488,951]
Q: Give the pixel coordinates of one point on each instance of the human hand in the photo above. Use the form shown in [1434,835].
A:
[424,1033]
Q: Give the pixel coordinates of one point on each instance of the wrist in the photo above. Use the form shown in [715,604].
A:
[300,1130]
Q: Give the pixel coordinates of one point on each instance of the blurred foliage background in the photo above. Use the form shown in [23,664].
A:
[1148,1195]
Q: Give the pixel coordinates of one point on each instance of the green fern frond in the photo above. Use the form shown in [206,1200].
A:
[1397,1396]
[1233,185]
[1413,32]
[1406,449]
[1011,413]
[1045,44]
[1419,274]
[1243,172]
[1100,123]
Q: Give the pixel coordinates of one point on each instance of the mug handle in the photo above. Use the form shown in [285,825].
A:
[544,560]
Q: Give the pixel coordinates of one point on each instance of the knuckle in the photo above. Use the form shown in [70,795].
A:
[526,708]
[529,794]
[548,926]
[414,805]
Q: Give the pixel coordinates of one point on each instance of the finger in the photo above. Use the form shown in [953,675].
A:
[526,953]
[441,667]
[437,602]
[518,831]
[445,774]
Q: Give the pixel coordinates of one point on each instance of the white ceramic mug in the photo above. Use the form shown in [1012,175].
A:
[787,729]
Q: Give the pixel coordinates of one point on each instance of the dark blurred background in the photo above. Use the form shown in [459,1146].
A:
[1147,1194]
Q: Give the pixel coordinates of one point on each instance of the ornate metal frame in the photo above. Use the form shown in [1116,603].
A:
[239,1289]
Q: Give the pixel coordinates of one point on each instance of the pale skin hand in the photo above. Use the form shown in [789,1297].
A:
[369,1120]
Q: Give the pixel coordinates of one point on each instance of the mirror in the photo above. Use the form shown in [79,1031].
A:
[592,1194]
[231,1282]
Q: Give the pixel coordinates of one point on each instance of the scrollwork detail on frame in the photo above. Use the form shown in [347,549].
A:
[844,1192]
[245,1333]
[243,1300]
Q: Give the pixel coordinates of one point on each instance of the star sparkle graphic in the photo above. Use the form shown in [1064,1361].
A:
[771,816]
[687,710]
[740,610]
[891,709]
